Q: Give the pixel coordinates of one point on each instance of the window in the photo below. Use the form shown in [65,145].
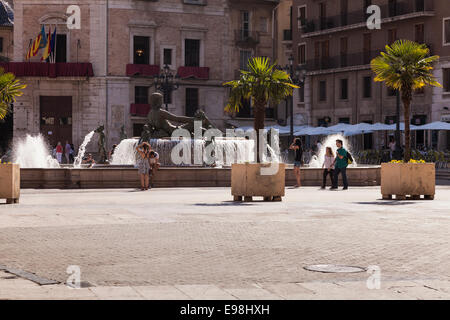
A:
[344,89]
[446,31]
[191,101]
[244,55]
[263,25]
[137,129]
[197,2]
[367,46]
[392,36]
[322,90]
[367,87]
[344,48]
[419,33]
[366,4]
[446,78]
[301,53]
[344,11]
[344,120]
[61,48]
[1,44]
[301,16]
[141,50]
[167,56]
[391,92]
[301,94]
[192,53]
[392,8]
[323,15]
[141,95]
[246,110]
[245,24]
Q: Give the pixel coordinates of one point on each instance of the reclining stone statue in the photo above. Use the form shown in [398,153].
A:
[162,123]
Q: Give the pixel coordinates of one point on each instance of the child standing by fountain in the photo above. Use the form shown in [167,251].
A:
[143,164]
[328,166]
[59,152]
[297,146]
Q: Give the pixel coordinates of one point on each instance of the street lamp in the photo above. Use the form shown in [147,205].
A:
[166,82]
[298,76]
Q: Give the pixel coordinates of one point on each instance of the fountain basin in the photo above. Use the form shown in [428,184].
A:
[171,177]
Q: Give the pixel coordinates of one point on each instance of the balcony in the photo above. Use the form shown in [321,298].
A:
[390,12]
[51,70]
[146,70]
[139,109]
[246,38]
[341,61]
[201,73]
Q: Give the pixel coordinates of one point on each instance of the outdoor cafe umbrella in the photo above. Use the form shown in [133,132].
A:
[437,125]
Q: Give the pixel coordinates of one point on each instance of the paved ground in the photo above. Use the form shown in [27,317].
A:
[196,243]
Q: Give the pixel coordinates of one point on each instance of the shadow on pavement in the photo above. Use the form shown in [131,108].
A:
[387,203]
[224,203]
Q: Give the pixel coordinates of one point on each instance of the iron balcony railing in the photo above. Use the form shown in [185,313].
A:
[341,61]
[392,9]
[245,36]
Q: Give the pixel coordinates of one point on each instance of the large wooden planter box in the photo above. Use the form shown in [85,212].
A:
[10,182]
[408,179]
[247,181]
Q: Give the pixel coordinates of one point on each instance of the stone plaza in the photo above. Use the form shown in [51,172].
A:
[196,243]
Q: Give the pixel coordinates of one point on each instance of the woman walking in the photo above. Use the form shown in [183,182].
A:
[143,164]
[328,166]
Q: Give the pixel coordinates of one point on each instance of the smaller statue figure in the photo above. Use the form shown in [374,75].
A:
[123,134]
[101,143]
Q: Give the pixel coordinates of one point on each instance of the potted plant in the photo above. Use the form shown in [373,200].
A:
[406,66]
[10,88]
[263,83]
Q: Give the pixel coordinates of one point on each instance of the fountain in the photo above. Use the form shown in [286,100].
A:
[82,150]
[34,152]
[330,141]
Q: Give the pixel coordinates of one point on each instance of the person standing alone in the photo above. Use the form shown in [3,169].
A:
[59,152]
[328,166]
[340,166]
[297,146]
[67,150]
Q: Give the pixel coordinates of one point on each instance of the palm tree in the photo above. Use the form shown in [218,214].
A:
[10,88]
[262,83]
[405,66]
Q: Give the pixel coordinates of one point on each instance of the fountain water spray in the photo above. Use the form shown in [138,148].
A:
[82,150]
[34,152]
[330,141]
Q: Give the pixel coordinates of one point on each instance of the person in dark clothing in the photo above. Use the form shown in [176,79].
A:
[341,164]
[297,146]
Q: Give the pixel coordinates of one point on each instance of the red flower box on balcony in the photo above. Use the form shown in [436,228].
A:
[201,73]
[142,70]
[51,70]
[139,109]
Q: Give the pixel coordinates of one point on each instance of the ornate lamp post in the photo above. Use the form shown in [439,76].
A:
[166,82]
[298,76]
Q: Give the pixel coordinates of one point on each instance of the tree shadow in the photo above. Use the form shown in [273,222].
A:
[225,203]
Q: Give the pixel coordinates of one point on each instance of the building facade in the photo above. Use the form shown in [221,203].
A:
[335,46]
[105,71]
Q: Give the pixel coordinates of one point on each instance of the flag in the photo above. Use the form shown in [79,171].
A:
[36,45]
[30,45]
[53,44]
[48,48]
[43,43]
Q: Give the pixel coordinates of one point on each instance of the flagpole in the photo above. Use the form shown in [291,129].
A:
[56,42]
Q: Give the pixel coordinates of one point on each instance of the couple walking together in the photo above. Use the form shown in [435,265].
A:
[147,164]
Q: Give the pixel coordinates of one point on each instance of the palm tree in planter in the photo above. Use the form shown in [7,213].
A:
[263,83]
[10,88]
[406,66]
